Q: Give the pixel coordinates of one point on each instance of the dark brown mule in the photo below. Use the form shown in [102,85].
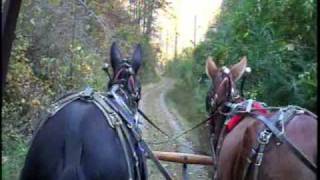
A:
[235,147]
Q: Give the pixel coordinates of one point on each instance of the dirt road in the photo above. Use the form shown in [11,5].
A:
[154,105]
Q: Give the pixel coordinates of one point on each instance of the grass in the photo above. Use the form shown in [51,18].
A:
[183,101]
[13,155]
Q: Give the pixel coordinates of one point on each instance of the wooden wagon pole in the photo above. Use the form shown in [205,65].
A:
[9,21]
[184,158]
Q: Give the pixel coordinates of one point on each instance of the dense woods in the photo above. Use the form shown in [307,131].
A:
[60,46]
[279,40]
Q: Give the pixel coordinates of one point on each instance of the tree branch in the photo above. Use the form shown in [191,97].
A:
[98,18]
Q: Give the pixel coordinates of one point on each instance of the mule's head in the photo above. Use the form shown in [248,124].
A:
[125,72]
[223,83]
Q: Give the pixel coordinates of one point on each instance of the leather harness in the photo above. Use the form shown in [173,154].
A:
[272,126]
[119,118]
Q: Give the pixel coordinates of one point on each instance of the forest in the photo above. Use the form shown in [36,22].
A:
[60,46]
[279,40]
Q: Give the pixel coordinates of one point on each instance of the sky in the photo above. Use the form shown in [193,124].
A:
[181,18]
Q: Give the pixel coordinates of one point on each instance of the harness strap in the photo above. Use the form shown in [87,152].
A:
[213,152]
[108,109]
[219,145]
[54,109]
[110,116]
[131,146]
[104,108]
[258,161]
[263,140]
[150,154]
[221,138]
[144,145]
[57,106]
[118,125]
[281,136]
[116,108]
[249,160]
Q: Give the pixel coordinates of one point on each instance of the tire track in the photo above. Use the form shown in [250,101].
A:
[154,105]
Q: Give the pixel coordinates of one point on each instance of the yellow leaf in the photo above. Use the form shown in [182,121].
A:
[35,103]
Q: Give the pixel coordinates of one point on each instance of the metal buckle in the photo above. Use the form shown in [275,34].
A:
[259,159]
[264,136]
[115,120]
[87,93]
[129,125]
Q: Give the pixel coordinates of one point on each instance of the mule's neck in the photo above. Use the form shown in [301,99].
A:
[218,119]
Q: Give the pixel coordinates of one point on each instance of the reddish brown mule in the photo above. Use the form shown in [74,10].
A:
[278,162]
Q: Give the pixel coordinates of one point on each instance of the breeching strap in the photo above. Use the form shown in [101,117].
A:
[284,139]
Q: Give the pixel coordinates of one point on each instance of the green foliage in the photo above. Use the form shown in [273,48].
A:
[184,68]
[23,88]
[279,40]
[128,37]
[61,46]
[13,153]
[54,2]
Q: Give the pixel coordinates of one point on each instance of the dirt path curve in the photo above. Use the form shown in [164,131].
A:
[154,105]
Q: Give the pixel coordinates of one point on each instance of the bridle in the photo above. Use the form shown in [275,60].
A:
[232,94]
[130,89]
[222,110]
[125,77]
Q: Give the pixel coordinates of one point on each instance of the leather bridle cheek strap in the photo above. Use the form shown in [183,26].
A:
[230,95]
[131,85]
[131,82]
[118,74]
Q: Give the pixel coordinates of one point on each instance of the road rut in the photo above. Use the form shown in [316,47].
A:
[154,105]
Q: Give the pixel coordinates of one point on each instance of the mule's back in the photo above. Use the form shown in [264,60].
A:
[278,161]
[281,163]
[76,143]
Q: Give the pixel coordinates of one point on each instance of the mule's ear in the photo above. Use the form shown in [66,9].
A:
[238,69]
[137,58]
[211,68]
[115,55]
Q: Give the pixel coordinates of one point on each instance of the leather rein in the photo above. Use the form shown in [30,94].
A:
[270,130]
[135,92]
